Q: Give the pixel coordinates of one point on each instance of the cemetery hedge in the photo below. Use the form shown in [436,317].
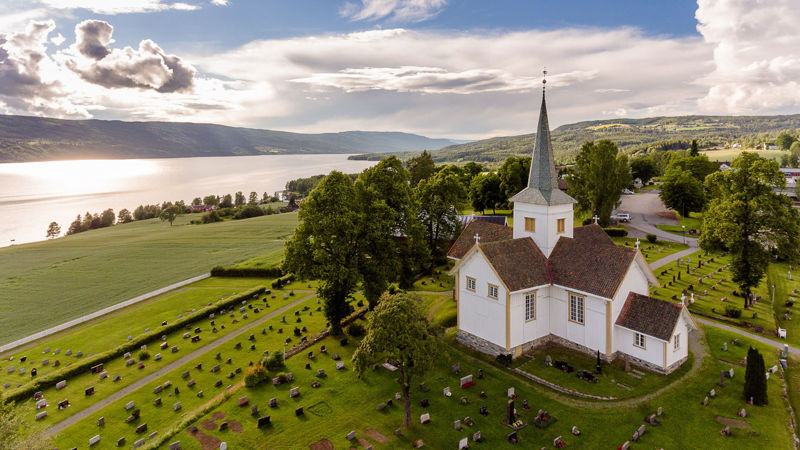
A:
[52,378]
[246,272]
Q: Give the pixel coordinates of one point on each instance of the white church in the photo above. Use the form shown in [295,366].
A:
[544,281]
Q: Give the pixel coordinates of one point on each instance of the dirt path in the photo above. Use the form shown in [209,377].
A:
[60,426]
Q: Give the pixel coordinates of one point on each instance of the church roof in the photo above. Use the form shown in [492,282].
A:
[649,316]
[518,262]
[489,232]
[542,186]
[590,262]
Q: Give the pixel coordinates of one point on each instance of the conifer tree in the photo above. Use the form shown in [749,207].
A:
[755,378]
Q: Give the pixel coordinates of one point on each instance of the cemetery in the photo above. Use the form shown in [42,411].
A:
[651,251]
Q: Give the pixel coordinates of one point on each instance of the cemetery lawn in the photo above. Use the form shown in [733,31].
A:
[638,383]
[651,252]
[693,222]
[711,304]
[46,283]
[778,275]
[439,281]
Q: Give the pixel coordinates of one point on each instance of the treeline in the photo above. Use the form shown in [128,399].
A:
[235,206]
[301,187]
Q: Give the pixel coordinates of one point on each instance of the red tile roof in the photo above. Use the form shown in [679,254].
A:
[649,316]
[518,262]
[489,232]
[590,262]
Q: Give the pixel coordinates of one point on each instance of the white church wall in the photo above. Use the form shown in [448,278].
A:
[592,333]
[653,352]
[673,355]
[546,234]
[478,314]
[634,281]
[523,331]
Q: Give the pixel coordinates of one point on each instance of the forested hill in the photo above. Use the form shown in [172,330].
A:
[24,138]
[631,135]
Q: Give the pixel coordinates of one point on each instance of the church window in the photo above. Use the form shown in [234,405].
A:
[471,284]
[638,340]
[676,344]
[530,224]
[560,225]
[493,291]
[530,306]
[576,308]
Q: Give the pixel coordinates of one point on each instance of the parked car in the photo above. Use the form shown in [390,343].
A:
[622,217]
[627,191]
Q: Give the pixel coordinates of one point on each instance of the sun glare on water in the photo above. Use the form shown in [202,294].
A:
[82,176]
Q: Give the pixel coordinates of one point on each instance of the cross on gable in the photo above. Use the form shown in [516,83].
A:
[595,218]
[477,238]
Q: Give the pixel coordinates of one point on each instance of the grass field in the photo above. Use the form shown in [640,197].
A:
[43,284]
[731,154]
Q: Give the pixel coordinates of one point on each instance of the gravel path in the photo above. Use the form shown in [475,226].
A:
[58,427]
[644,209]
[44,333]
[762,339]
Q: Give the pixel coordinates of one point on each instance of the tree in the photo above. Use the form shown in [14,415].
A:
[124,216]
[399,331]
[747,218]
[53,230]
[755,378]
[76,226]
[785,140]
[438,198]
[226,202]
[682,192]
[699,166]
[693,151]
[644,168]
[325,245]
[107,218]
[513,176]
[265,198]
[421,167]
[239,199]
[197,201]
[211,200]
[253,199]
[17,433]
[170,214]
[601,173]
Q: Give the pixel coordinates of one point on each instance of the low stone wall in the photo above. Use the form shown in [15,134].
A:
[558,388]
[479,344]
[675,366]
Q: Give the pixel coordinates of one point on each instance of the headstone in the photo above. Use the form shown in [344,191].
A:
[273,402]
[138,443]
[101,421]
[175,445]
[157,401]
[117,378]
[351,435]
[41,404]
[243,401]
[463,443]
[457,425]
[424,418]
[94,440]
[659,411]
[446,391]
[298,411]
[61,384]
[339,365]
[41,415]
[466,381]
[510,416]
[294,392]
[141,428]
[511,393]
[129,406]
[176,406]
[476,437]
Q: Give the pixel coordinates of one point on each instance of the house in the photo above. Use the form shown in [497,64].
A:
[637,183]
[769,146]
[544,281]
[466,219]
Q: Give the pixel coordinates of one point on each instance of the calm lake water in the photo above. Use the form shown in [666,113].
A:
[34,194]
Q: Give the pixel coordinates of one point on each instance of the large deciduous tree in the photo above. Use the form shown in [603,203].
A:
[438,198]
[785,140]
[17,433]
[53,230]
[326,244]
[170,213]
[755,378]
[399,331]
[124,216]
[746,217]
[644,168]
[421,167]
[514,175]
[682,192]
[601,173]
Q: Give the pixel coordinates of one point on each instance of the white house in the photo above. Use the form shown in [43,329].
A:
[545,281]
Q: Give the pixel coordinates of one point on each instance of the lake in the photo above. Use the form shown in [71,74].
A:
[34,194]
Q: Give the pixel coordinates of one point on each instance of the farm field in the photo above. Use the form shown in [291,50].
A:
[43,284]
[731,154]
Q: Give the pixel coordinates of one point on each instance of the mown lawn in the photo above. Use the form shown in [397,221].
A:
[651,252]
[46,283]
[787,292]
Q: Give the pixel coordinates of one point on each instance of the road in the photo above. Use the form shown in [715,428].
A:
[71,420]
[644,209]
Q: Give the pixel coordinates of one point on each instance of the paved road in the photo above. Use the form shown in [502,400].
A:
[36,336]
[643,209]
[55,429]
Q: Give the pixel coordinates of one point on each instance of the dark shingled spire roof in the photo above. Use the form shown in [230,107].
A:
[542,181]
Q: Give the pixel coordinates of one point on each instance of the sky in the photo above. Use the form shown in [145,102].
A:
[463,69]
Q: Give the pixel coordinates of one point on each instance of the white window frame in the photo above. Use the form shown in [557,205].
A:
[530,306]
[639,340]
[532,228]
[676,342]
[496,291]
[474,284]
[561,226]
[577,309]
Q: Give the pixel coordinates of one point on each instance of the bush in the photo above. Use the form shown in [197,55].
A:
[255,376]
[248,212]
[144,355]
[274,362]
[246,272]
[281,282]
[616,232]
[282,377]
[211,217]
[651,238]
[355,330]
[733,312]
[505,359]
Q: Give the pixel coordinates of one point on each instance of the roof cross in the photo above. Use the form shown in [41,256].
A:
[477,238]
[595,218]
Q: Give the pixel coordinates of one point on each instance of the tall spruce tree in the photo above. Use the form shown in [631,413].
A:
[755,378]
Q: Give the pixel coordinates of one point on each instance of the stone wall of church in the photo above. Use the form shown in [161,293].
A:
[479,344]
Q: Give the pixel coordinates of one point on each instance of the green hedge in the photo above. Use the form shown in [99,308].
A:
[616,232]
[50,379]
[246,272]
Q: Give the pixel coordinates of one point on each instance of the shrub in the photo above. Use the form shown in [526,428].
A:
[211,217]
[789,303]
[281,282]
[733,312]
[504,359]
[274,362]
[616,232]
[255,376]
[144,355]
[248,212]
[282,377]
[355,330]
[246,272]
[651,238]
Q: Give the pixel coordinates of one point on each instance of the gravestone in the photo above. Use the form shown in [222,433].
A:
[466,381]
[424,418]
[157,357]
[117,378]
[176,406]
[446,391]
[129,406]
[510,416]
[138,443]
[294,392]
[264,421]
[476,437]
[340,365]
[157,401]
[511,393]
[298,411]
[457,425]
[41,415]
[94,440]
[101,421]
[243,401]
[175,445]
[659,411]
[120,442]
[61,384]
[351,435]
[463,443]
[141,428]
[273,402]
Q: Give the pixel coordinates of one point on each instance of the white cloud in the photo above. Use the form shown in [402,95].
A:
[220,2]
[118,6]
[58,39]
[395,10]
[611,91]
[756,55]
